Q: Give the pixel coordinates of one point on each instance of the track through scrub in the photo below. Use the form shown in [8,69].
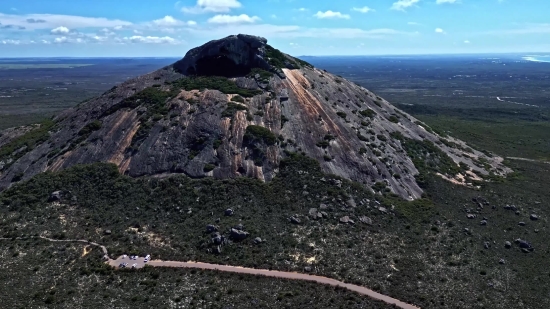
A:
[234,269]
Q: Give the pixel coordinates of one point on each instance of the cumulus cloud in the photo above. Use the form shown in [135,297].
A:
[167,21]
[60,30]
[364,9]
[331,14]
[439,30]
[60,40]
[466,42]
[401,5]
[150,39]
[233,19]
[446,1]
[216,6]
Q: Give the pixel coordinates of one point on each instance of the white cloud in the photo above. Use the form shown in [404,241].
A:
[446,1]
[466,42]
[60,40]
[60,30]
[331,14]
[216,6]
[11,42]
[167,21]
[233,19]
[413,23]
[45,42]
[401,5]
[292,32]
[151,39]
[439,30]
[364,9]
[50,21]
[302,9]
[100,38]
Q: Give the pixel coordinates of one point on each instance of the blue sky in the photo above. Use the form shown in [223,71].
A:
[166,28]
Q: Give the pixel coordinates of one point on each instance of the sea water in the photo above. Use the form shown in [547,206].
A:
[537,58]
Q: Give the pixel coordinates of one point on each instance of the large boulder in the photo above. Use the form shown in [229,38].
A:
[232,56]
[238,235]
[55,196]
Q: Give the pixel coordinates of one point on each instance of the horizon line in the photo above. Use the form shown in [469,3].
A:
[335,55]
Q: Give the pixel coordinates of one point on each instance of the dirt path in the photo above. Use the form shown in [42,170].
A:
[285,275]
[526,159]
[241,270]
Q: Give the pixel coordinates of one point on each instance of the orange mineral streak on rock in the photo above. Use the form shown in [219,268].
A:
[56,166]
[311,105]
[237,132]
[118,156]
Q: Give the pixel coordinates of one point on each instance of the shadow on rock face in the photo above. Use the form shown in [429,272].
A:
[233,56]
[219,66]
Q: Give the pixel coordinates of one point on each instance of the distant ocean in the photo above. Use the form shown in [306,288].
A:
[537,58]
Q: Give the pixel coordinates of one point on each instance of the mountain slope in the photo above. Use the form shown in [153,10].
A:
[186,119]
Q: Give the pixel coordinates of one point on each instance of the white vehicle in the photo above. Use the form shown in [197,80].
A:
[148,257]
[135,265]
[124,256]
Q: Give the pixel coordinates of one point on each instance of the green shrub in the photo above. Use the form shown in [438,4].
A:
[368,113]
[29,140]
[342,115]
[254,134]
[90,127]
[264,75]
[393,119]
[153,98]
[219,83]
[323,144]
[232,108]
[275,57]
[209,167]
[362,137]
[237,98]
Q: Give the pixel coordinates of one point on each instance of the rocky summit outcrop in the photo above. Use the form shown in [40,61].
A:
[235,108]
[235,55]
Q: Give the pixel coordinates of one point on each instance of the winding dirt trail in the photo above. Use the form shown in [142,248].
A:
[528,160]
[241,270]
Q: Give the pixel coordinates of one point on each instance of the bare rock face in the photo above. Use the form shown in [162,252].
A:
[232,56]
[167,123]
